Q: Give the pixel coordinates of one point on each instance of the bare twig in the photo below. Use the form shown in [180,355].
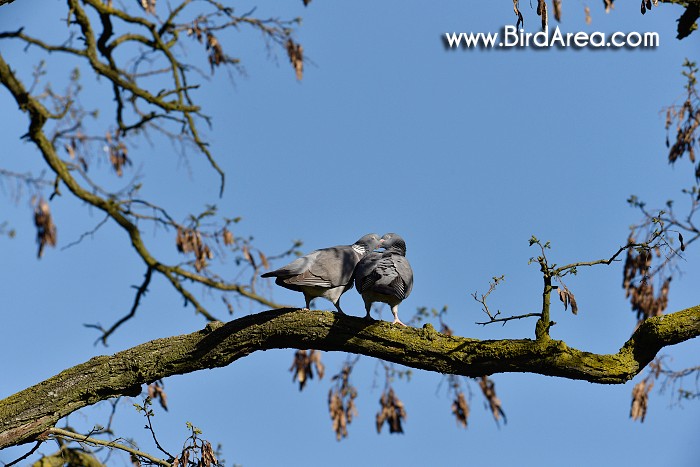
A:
[20,459]
[509,318]
[87,234]
[148,413]
[140,292]
[65,434]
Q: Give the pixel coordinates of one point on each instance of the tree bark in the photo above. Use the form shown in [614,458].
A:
[25,415]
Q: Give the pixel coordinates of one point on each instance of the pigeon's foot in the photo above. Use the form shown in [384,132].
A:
[398,321]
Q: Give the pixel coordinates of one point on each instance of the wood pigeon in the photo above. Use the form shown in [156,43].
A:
[325,273]
[385,277]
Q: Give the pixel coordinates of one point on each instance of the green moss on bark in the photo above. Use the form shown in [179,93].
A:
[28,413]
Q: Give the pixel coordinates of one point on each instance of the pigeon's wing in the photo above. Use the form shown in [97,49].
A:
[335,265]
[299,273]
[405,272]
[296,267]
[364,272]
[391,276]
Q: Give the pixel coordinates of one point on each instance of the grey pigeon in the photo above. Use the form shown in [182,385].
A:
[325,273]
[385,277]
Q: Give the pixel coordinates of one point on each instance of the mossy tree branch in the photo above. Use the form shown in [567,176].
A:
[29,413]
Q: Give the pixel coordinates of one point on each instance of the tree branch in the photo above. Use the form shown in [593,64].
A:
[27,414]
[61,433]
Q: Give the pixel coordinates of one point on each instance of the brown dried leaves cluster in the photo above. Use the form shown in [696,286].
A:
[190,241]
[215,51]
[488,388]
[296,57]
[45,228]
[687,120]
[303,365]
[118,154]
[460,407]
[392,412]
[207,458]
[156,391]
[341,402]
[196,452]
[567,298]
[637,283]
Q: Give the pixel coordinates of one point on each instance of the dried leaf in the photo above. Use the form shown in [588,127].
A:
[574,306]
[521,21]
[637,287]
[680,239]
[460,409]
[190,241]
[45,228]
[341,402]
[587,13]
[567,297]
[227,237]
[229,307]
[302,366]
[392,412]
[263,260]
[488,388]
[70,148]
[640,400]
[315,357]
[118,156]
[208,457]
[246,254]
[216,51]
[149,6]
[156,391]
[557,9]
[564,297]
[542,12]
[296,57]
[608,5]
[134,460]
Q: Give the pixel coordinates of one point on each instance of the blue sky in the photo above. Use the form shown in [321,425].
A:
[466,154]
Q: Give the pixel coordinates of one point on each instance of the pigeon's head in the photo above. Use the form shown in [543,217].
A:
[368,243]
[393,243]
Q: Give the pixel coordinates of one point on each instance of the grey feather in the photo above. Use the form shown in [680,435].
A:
[385,277]
[326,273]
